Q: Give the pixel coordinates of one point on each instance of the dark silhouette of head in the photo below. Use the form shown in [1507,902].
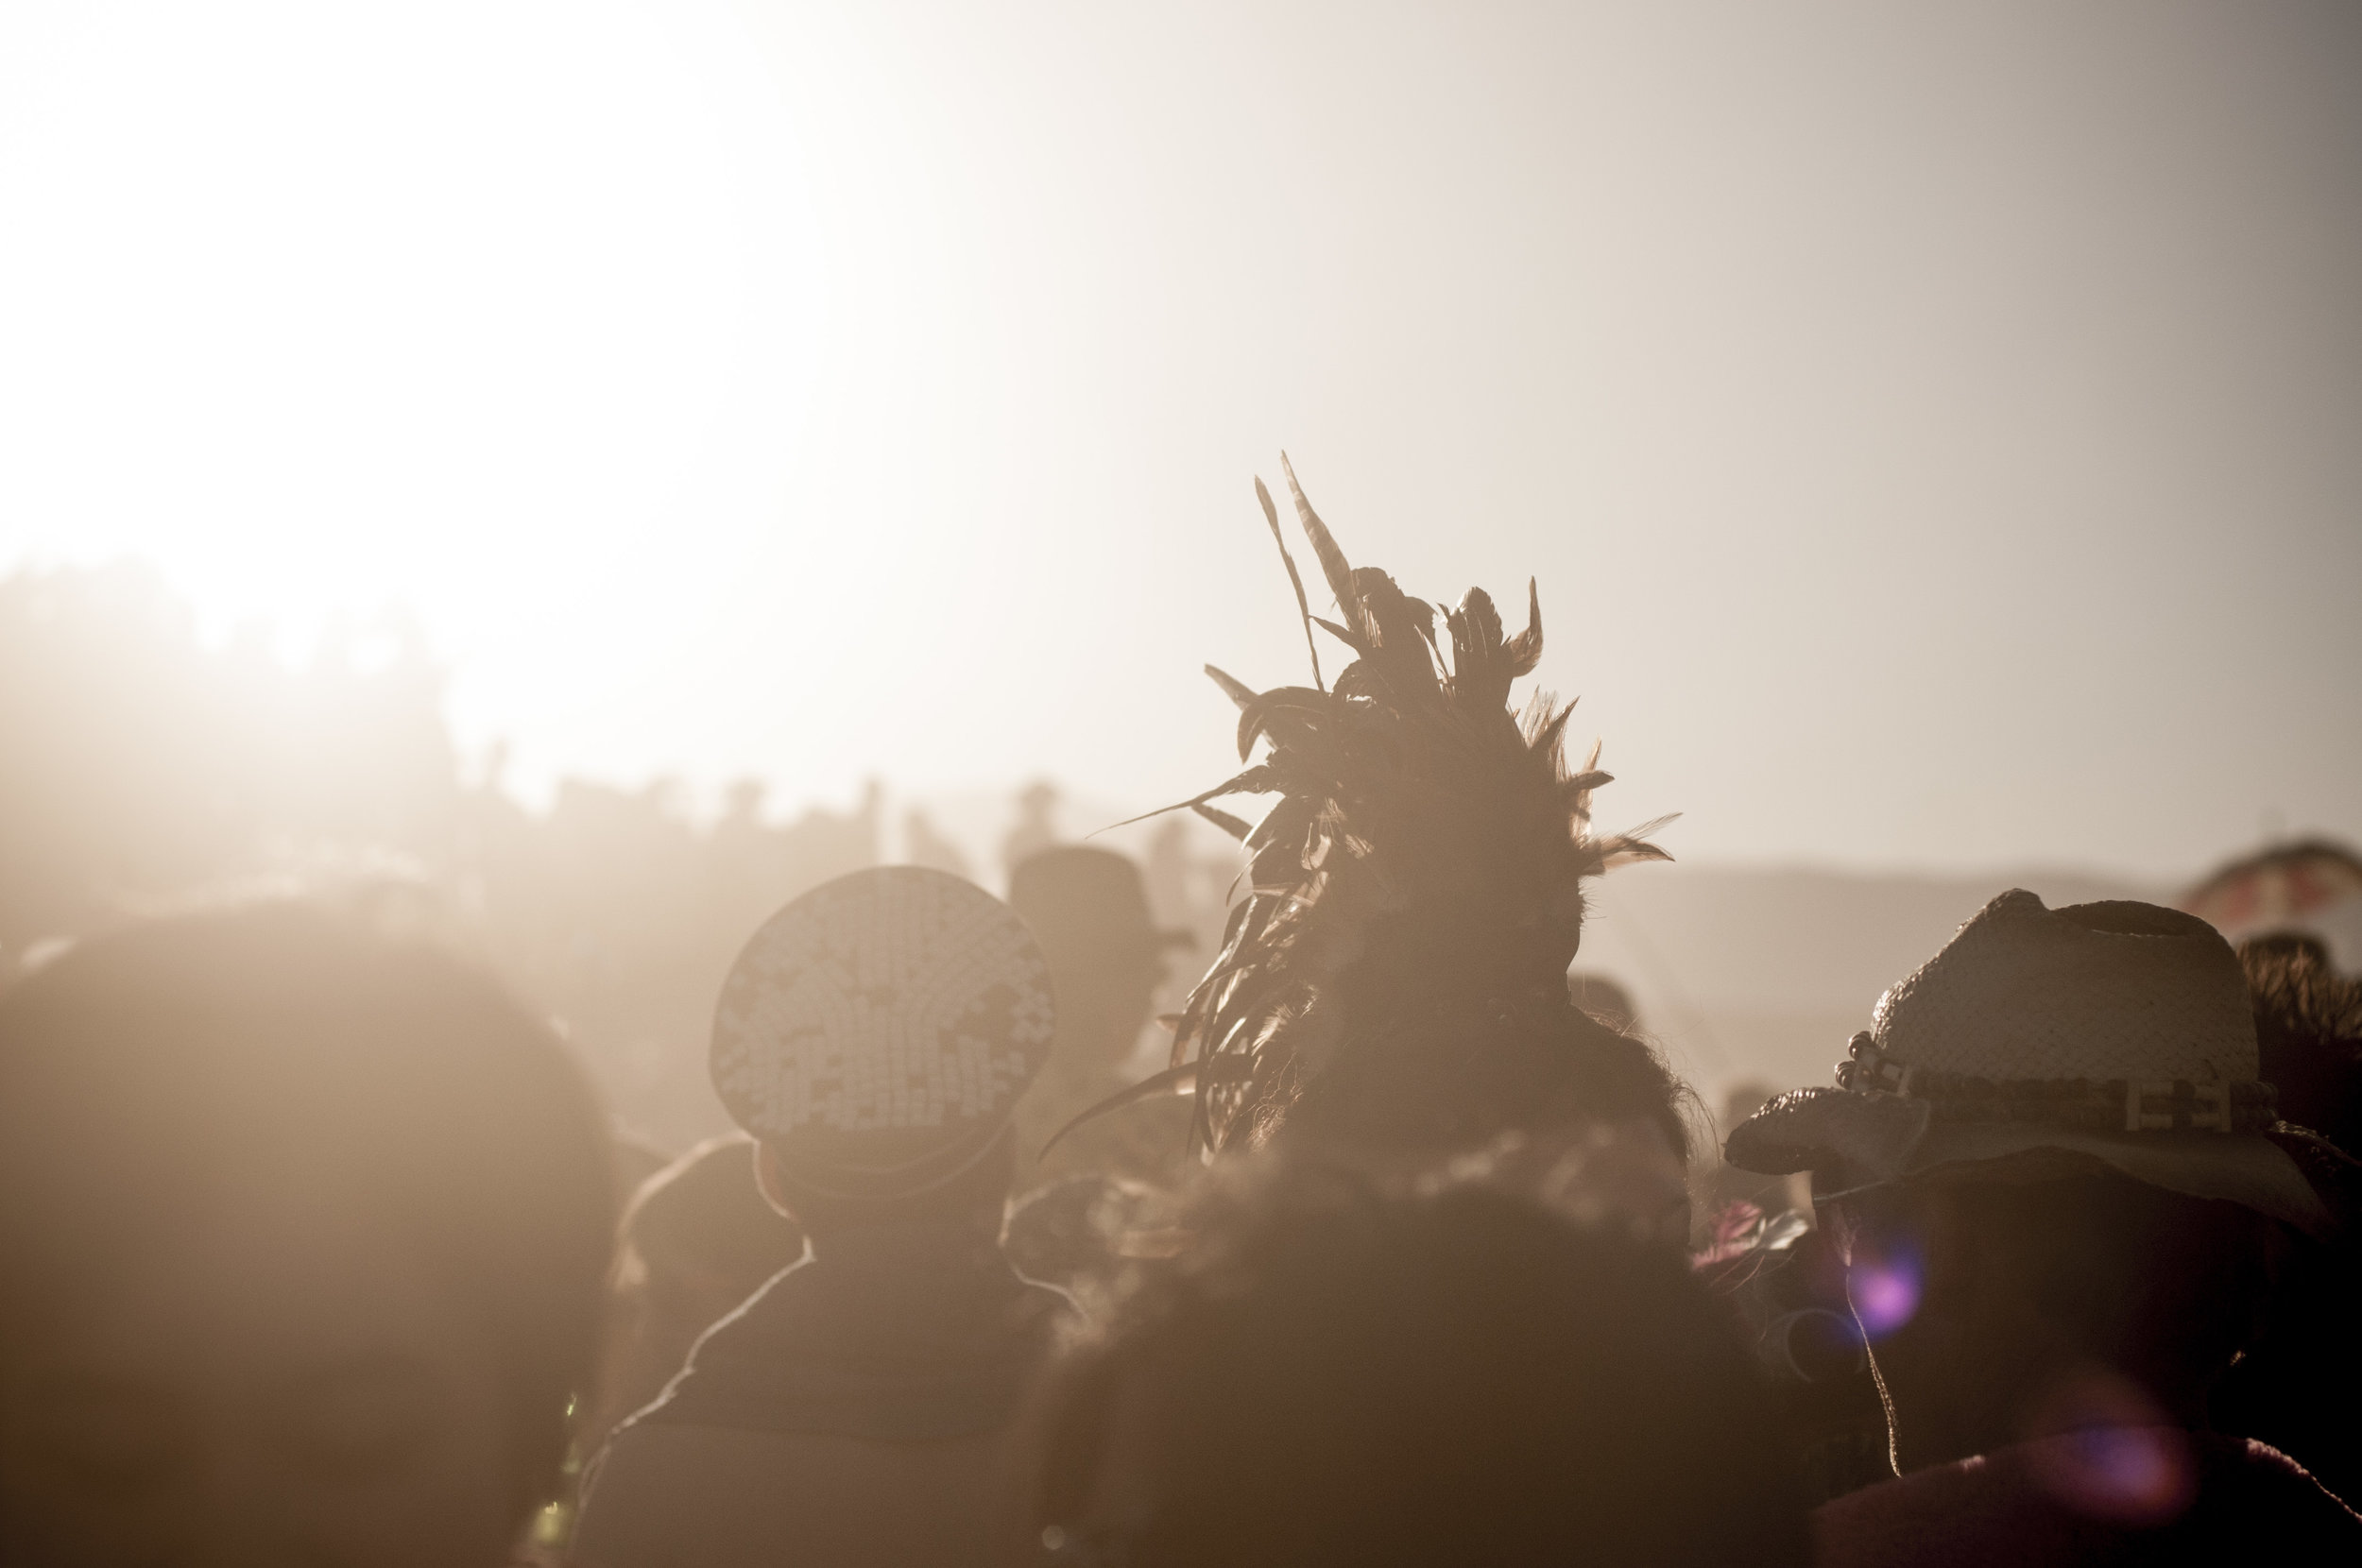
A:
[700,1228]
[1339,1373]
[2000,1310]
[1395,977]
[306,1230]
[698,1238]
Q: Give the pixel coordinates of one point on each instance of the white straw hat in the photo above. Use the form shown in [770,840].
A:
[877,1032]
[2041,1041]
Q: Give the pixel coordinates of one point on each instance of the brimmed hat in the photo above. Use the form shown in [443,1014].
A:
[2042,1041]
[1081,899]
[876,1033]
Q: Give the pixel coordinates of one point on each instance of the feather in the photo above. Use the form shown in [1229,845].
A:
[1525,649]
[1253,781]
[1333,563]
[1546,738]
[1350,638]
[1424,861]
[1292,709]
[1296,579]
[1182,1080]
[1233,687]
[1222,818]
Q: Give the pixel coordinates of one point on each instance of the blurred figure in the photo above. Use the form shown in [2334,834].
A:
[873,1038]
[924,843]
[2308,1033]
[2299,1387]
[1604,999]
[698,1238]
[305,1231]
[1037,826]
[2064,1197]
[1337,1374]
[1089,908]
[1723,1184]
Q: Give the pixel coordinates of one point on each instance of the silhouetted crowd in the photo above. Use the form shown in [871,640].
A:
[1401,1247]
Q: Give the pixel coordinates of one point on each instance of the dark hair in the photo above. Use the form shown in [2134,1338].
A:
[1431,1086]
[141,1072]
[2308,1033]
[1338,1372]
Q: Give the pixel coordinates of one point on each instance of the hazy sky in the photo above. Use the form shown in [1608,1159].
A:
[1936,429]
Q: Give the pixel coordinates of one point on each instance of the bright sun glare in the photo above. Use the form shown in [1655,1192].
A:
[486,308]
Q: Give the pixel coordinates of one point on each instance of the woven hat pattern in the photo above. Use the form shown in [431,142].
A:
[2113,1035]
[2024,992]
[898,999]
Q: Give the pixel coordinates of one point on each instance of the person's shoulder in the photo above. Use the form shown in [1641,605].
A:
[1959,1513]
[2063,1499]
[2257,1492]
[656,1484]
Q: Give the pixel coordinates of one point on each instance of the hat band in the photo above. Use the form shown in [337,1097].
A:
[2091,1104]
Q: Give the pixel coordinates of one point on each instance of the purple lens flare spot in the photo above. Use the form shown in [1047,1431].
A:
[1884,1285]
[2117,1457]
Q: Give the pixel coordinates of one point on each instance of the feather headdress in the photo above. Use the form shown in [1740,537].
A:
[1396,969]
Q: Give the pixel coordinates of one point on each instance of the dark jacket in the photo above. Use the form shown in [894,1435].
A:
[2216,1499]
[853,1411]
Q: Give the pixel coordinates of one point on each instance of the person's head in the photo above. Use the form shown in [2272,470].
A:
[1089,908]
[2066,1179]
[306,1230]
[874,1038]
[699,1233]
[1604,999]
[2308,1033]
[2003,1310]
[1743,1099]
[697,1239]
[1339,1373]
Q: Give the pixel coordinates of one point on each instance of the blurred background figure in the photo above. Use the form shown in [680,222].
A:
[923,843]
[1037,826]
[1335,1373]
[873,1038]
[1089,908]
[1723,1184]
[1604,999]
[306,1229]
[2308,1033]
[697,1239]
[2282,884]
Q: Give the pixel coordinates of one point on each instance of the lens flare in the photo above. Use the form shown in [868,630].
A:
[1884,1285]
[2119,1458]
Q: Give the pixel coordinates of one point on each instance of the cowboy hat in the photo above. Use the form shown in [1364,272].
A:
[2040,1042]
